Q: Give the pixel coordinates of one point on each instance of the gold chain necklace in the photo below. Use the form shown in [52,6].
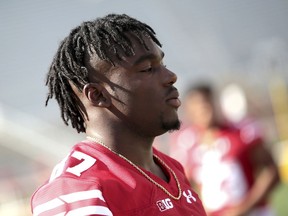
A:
[143,173]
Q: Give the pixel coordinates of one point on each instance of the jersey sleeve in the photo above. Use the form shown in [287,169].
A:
[69,197]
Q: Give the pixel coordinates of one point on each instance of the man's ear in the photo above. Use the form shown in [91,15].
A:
[97,95]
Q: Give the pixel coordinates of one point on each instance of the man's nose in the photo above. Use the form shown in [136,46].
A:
[170,77]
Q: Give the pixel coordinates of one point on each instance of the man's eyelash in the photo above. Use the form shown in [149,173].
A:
[147,70]
[151,68]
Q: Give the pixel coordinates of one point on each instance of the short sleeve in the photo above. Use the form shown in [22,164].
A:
[69,197]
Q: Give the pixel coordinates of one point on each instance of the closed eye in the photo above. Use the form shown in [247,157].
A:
[150,69]
[147,69]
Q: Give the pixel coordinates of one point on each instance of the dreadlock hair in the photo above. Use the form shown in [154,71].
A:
[104,36]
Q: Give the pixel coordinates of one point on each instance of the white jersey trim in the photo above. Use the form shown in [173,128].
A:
[70,198]
[88,210]
[47,206]
[61,214]
[82,195]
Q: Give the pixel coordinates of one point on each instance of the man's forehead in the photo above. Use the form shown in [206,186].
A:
[149,56]
[99,64]
[148,51]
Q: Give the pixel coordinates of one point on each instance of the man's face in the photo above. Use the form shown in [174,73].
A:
[143,92]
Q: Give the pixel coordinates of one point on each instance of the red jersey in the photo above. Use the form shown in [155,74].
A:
[221,169]
[92,180]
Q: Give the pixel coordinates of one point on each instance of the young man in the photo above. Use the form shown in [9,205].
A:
[110,82]
[231,168]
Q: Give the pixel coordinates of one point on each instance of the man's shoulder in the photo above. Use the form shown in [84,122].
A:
[67,175]
[87,161]
[66,194]
[82,178]
[84,161]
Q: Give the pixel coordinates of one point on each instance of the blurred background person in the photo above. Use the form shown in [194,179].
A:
[234,108]
[233,173]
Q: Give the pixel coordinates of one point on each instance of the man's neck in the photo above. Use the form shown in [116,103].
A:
[136,149]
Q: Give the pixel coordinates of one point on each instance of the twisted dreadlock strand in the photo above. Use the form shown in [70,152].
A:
[104,36]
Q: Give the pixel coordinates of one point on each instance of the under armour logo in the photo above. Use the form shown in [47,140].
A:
[189,196]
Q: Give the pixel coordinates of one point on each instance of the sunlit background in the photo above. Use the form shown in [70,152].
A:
[239,46]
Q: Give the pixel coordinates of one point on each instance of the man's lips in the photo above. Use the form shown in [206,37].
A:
[175,102]
[173,99]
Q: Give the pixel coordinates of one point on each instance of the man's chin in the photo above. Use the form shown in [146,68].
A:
[171,126]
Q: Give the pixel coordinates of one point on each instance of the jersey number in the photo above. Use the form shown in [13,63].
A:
[85,164]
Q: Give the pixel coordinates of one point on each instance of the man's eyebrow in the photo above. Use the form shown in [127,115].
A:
[149,56]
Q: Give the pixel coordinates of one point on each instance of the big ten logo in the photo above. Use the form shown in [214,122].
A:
[164,204]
